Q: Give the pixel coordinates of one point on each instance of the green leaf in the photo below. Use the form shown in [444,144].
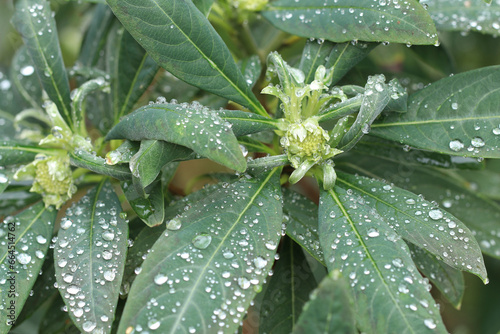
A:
[448,280]
[197,128]
[287,291]
[23,75]
[131,70]
[191,50]
[149,207]
[301,217]
[341,21]
[56,321]
[245,123]
[95,37]
[340,58]
[34,20]
[89,258]
[484,182]
[341,109]
[251,69]
[375,99]
[479,214]
[123,153]
[475,15]
[219,250]
[12,153]
[84,159]
[389,293]
[444,118]
[420,222]
[78,96]
[330,309]
[6,177]
[147,163]
[26,238]
[203,6]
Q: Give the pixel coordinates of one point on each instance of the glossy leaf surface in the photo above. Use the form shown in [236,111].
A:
[444,118]
[191,50]
[25,240]
[342,21]
[219,250]
[80,158]
[89,258]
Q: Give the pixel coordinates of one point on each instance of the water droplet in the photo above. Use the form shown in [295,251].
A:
[202,241]
[27,70]
[153,324]
[244,283]
[496,131]
[160,279]
[109,275]
[452,224]
[410,201]
[372,233]
[429,323]
[435,214]
[174,224]
[259,262]
[456,145]
[228,254]
[41,239]
[271,245]
[477,142]
[108,236]
[88,326]
[24,258]
[73,289]
[454,106]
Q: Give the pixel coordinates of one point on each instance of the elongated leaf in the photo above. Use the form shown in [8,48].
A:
[448,280]
[191,50]
[6,176]
[78,96]
[251,68]
[375,99]
[80,158]
[25,241]
[245,123]
[24,77]
[288,290]
[12,153]
[485,182]
[389,293]
[34,20]
[219,250]
[147,163]
[475,15]
[341,109]
[330,309]
[123,153]
[149,207]
[56,321]
[482,216]
[444,118]
[95,36]
[89,258]
[301,216]
[131,69]
[340,58]
[420,222]
[342,21]
[199,129]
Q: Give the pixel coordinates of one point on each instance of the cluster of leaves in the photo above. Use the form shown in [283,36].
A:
[126,254]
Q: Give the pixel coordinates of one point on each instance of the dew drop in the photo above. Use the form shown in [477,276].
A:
[160,279]
[174,224]
[435,214]
[24,258]
[108,236]
[477,142]
[153,324]
[41,239]
[244,283]
[456,145]
[73,289]
[109,275]
[88,326]
[202,241]
[372,233]
[27,70]
[429,323]
[259,262]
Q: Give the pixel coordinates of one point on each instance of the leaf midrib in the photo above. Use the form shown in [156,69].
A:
[332,193]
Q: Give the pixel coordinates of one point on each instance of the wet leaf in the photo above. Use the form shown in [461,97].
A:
[340,21]
[340,58]
[191,50]
[84,159]
[12,152]
[23,75]
[34,20]
[150,207]
[287,291]
[194,127]
[6,177]
[244,123]
[219,250]
[448,280]
[444,118]
[389,293]
[251,69]
[475,15]
[330,308]
[89,258]
[25,238]
[418,221]
[123,153]
[203,6]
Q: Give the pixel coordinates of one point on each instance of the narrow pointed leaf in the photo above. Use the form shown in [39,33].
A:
[25,240]
[448,280]
[89,258]
[123,153]
[24,77]
[476,15]
[191,50]
[199,129]
[340,58]
[95,37]
[341,109]
[341,21]
[80,158]
[330,309]
[149,207]
[251,68]
[12,153]
[208,257]
[131,70]
[147,163]
[34,20]
[420,222]
[301,216]
[245,123]
[389,293]
[287,291]
[444,118]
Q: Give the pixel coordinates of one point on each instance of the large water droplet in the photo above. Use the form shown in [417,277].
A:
[174,224]
[24,258]
[88,326]
[456,145]
[109,275]
[372,233]
[41,239]
[153,324]
[244,283]
[435,214]
[202,241]
[108,236]
[429,323]
[73,289]
[27,70]
[477,142]
[259,262]
[160,279]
